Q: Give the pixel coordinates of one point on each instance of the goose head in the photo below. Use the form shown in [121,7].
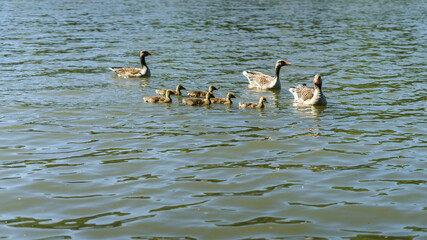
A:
[263,100]
[282,63]
[168,93]
[212,87]
[230,95]
[317,81]
[144,53]
[180,87]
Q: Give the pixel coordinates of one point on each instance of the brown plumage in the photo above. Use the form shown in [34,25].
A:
[303,92]
[309,96]
[201,93]
[159,99]
[131,72]
[177,92]
[198,101]
[260,104]
[258,80]
[226,100]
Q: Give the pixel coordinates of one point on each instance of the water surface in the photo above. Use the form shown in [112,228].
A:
[84,157]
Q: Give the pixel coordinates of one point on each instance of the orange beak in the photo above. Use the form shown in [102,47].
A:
[288,63]
[150,53]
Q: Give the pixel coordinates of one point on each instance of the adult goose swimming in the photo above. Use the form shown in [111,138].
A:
[309,96]
[201,93]
[259,105]
[177,91]
[198,101]
[226,100]
[258,80]
[159,99]
[131,72]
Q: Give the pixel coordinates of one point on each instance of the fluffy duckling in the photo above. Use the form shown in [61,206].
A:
[198,101]
[177,91]
[226,100]
[309,96]
[262,100]
[201,93]
[159,99]
[131,72]
[258,80]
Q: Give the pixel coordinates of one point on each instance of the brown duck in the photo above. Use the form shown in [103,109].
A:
[131,72]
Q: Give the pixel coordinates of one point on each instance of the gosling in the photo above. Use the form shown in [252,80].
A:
[198,101]
[259,105]
[226,100]
[201,93]
[159,99]
[177,92]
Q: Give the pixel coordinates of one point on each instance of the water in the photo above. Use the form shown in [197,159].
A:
[83,157]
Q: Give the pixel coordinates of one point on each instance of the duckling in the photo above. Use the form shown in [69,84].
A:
[201,93]
[198,101]
[177,92]
[309,96]
[131,72]
[226,100]
[253,105]
[159,99]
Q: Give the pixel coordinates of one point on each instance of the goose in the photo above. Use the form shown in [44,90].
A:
[159,99]
[177,92]
[226,100]
[131,72]
[201,93]
[309,96]
[253,105]
[258,80]
[198,101]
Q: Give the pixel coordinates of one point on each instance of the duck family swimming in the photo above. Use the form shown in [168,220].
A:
[303,96]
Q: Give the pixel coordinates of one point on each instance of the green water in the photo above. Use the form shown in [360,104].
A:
[82,156]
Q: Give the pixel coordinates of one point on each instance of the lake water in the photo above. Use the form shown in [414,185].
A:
[82,156]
